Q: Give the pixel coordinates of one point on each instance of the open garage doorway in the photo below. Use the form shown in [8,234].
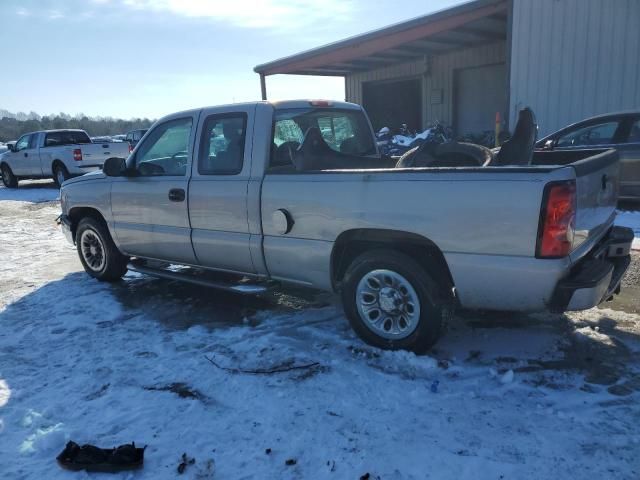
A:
[480,92]
[390,104]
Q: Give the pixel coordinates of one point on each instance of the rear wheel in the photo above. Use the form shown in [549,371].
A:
[60,173]
[99,255]
[8,178]
[392,302]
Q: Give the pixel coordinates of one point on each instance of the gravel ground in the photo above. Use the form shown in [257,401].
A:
[632,277]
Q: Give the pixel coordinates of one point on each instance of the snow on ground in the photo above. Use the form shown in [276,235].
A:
[631,219]
[31,191]
[502,396]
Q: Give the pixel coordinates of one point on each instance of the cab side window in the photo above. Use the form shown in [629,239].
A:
[23,143]
[222,144]
[601,134]
[33,141]
[634,133]
[166,151]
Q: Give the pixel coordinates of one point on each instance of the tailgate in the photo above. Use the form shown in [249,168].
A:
[97,153]
[597,180]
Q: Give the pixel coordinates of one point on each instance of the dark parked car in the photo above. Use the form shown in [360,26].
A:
[134,136]
[617,130]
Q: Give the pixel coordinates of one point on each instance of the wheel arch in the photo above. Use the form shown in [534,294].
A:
[54,162]
[352,243]
[78,213]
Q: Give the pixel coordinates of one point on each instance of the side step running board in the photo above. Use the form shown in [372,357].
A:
[243,288]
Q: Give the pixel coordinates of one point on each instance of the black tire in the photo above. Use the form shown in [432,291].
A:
[434,307]
[8,178]
[60,173]
[415,159]
[448,154]
[463,154]
[115,263]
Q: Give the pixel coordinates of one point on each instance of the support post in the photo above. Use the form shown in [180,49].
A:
[263,86]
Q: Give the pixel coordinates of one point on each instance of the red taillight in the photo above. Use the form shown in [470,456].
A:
[130,148]
[77,154]
[557,220]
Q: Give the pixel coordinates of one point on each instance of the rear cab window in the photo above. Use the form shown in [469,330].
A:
[55,139]
[339,133]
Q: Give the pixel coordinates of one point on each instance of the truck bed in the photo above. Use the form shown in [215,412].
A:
[482,218]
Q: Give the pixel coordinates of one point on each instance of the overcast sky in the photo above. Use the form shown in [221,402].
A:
[127,58]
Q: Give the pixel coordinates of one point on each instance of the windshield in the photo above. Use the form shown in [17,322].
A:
[344,131]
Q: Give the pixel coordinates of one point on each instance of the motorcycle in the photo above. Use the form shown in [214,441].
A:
[397,145]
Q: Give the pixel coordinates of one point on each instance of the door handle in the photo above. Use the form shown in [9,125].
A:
[26,154]
[176,195]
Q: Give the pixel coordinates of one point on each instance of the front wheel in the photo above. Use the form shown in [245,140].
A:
[392,302]
[8,178]
[99,255]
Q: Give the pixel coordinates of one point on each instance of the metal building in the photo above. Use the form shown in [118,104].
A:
[566,59]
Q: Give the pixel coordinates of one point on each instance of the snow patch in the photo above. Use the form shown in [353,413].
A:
[507,377]
[631,219]
[5,393]
[32,191]
[44,440]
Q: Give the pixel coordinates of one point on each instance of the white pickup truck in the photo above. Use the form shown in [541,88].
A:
[57,154]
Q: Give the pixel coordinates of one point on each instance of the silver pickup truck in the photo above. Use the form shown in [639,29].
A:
[57,154]
[297,192]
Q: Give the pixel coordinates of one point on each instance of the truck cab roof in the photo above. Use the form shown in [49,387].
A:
[277,105]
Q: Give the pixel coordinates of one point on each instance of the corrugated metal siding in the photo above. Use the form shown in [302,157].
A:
[353,85]
[442,77]
[437,74]
[572,59]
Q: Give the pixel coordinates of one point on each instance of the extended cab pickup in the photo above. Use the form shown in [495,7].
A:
[296,192]
[57,154]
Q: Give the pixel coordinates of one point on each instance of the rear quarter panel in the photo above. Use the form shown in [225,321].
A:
[474,217]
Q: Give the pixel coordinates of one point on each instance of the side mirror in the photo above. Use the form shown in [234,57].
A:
[114,167]
[548,145]
[11,147]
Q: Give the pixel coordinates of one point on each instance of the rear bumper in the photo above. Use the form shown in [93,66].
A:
[597,277]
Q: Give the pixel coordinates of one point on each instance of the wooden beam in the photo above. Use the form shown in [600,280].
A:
[481,33]
[441,44]
[326,71]
[400,52]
